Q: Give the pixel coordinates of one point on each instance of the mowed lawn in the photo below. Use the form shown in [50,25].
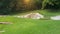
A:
[30,26]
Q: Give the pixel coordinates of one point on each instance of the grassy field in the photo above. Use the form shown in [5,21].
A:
[31,26]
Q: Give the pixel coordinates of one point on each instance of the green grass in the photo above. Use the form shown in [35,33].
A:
[31,26]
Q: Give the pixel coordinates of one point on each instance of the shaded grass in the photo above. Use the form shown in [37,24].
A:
[46,12]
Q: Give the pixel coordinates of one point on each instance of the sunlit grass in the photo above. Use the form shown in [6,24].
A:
[31,26]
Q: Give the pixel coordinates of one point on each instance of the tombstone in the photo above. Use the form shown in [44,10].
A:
[34,16]
[31,15]
[55,18]
[5,23]
[2,31]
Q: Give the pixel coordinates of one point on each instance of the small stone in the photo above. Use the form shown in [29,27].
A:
[55,18]
[2,31]
[5,23]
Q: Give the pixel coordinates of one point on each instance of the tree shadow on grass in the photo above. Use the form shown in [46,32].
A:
[12,12]
[53,10]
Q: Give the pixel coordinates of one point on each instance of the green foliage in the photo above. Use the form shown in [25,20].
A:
[11,6]
[38,4]
[50,2]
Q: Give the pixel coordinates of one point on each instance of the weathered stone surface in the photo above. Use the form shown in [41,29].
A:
[32,16]
[55,17]
[5,23]
[2,31]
